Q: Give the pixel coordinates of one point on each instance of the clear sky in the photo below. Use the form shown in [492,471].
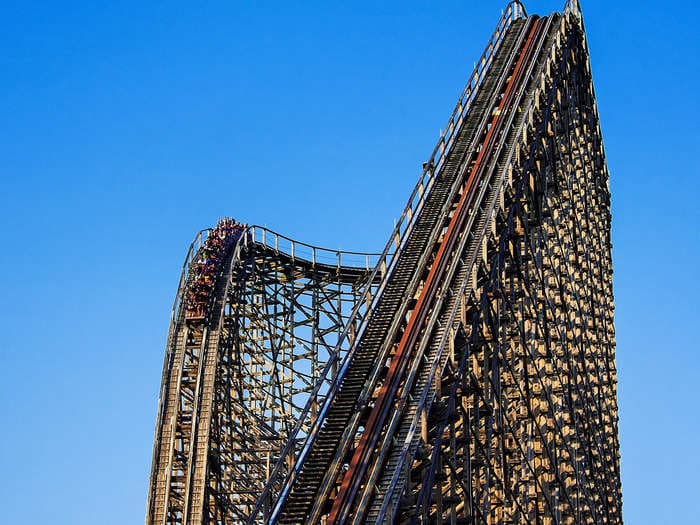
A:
[127,126]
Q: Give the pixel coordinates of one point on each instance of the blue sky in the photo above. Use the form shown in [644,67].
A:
[126,128]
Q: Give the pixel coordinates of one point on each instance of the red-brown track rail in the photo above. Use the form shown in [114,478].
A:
[361,457]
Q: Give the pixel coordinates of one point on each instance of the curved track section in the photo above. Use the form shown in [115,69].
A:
[256,319]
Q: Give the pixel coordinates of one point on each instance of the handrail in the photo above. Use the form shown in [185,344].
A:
[384,265]
[309,252]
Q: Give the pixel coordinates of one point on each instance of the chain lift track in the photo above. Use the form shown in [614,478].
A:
[465,375]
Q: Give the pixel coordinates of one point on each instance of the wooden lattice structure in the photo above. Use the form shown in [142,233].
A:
[465,375]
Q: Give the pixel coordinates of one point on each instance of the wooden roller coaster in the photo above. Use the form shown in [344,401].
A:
[466,374]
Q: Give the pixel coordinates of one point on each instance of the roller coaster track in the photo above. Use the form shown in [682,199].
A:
[465,375]
[317,284]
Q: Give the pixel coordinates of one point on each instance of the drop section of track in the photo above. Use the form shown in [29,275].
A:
[303,502]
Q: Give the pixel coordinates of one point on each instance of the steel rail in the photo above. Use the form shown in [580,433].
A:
[359,462]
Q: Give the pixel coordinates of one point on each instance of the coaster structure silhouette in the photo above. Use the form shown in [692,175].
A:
[464,375]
